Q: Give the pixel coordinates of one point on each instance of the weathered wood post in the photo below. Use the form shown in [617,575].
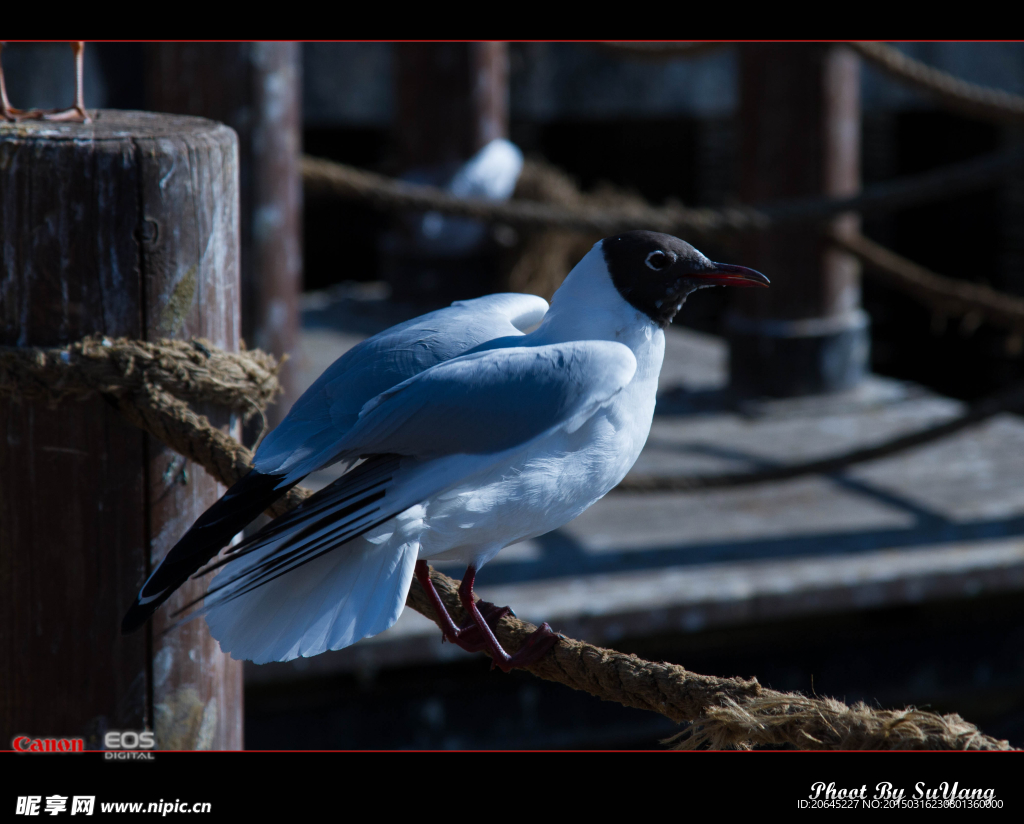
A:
[800,127]
[452,98]
[127,226]
[255,89]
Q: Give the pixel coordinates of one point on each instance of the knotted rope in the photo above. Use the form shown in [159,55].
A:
[722,712]
[195,371]
[152,384]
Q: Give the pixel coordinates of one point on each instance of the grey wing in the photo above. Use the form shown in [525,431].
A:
[306,439]
[487,402]
[482,403]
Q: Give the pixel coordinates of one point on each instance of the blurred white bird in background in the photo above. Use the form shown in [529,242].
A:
[490,174]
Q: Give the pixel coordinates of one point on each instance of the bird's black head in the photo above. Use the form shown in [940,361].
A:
[656,272]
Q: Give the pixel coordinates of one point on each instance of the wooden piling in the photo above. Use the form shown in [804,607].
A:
[255,89]
[800,136]
[127,226]
[451,100]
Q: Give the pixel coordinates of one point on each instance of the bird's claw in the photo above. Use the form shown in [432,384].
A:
[491,613]
[74,114]
[470,637]
[535,648]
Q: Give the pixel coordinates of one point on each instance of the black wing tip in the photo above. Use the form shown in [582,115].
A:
[240,505]
[138,613]
[135,617]
[204,539]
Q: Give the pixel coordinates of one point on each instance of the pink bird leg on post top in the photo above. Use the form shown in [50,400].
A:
[75,113]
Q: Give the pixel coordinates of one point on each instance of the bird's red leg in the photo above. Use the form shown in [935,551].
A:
[535,647]
[7,111]
[449,631]
[467,636]
[77,112]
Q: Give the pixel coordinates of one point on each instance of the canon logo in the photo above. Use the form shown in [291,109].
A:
[25,743]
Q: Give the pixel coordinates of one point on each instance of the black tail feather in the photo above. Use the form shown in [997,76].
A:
[241,504]
[345,509]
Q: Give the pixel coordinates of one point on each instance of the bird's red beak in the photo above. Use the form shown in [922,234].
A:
[727,274]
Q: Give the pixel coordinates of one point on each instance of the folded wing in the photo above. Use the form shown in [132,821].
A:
[423,437]
[307,438]
[488,402]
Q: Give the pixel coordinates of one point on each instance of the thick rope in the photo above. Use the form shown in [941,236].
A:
[193,370]
[775,719]
[947,297]
[958,95]
[722,712]
[327,178]
[171,421]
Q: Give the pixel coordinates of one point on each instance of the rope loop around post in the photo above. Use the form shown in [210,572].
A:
[193,370]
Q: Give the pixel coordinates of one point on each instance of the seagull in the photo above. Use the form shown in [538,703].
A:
[460,432]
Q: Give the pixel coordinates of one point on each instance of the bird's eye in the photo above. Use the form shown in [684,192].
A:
[658,261]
